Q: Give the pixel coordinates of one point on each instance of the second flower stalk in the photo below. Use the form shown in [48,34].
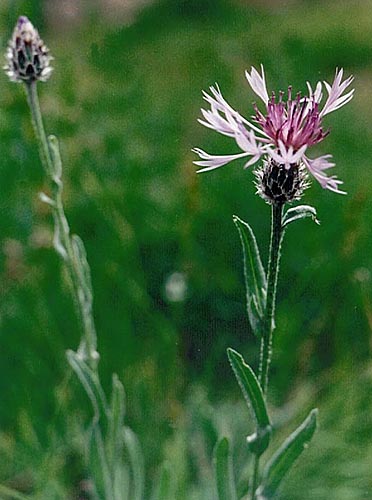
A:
[70,247]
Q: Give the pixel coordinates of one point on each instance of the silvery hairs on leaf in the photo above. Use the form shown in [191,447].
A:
[28,58]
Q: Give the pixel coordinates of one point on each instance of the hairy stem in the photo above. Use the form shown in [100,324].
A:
[272,278]
[266,341]
[63,240]
[37,122]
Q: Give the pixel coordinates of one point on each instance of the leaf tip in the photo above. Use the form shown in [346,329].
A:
[69,353]
[232,355]
[236,220]
[313,415]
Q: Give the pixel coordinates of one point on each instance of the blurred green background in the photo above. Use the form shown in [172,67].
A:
[165,257]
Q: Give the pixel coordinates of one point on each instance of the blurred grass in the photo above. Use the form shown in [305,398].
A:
[123,100]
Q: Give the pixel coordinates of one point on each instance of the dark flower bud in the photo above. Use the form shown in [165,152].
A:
[27,56]
[277,184]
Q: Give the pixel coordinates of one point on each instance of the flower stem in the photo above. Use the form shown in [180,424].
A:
[272,278]
[37,121]
[266,340]
[64,242]
[256,465]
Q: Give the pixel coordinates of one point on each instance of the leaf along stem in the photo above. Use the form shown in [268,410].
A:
[51,164]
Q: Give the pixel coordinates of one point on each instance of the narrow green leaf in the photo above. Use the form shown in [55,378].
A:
[250,387]
[299,212]
[283,459]
[83,270]
[91,384]
[225,484]
[116,418]
[56,158]
[163,487]
[254,274]
[102,478]
[59,231]
[121,481]
[136,463]
[47,199]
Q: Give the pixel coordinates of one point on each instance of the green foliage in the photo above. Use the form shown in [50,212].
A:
[224,475]
[253,395]
[123,101]
[92,386]
[299,212]
[9,494]
[284,458]
[163,488]
[136,462]
[254,274]
[108,439]
[116,418]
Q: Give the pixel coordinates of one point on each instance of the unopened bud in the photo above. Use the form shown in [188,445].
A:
[27,56]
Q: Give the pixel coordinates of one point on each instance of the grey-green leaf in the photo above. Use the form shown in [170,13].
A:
[114,442]
[83,270]
[98,462]
[297,213]
[136,463]
[225,484]
[254,274]
[250,387]
[91,384]
[60,229]
[121,481]
[56,158]
[283,459]
[163,487]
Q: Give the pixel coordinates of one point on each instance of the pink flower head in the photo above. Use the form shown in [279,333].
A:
[283,132]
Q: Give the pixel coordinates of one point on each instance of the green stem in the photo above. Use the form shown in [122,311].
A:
[256,465]
[272,278]
[268,323]
[88,344]
[37,121]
